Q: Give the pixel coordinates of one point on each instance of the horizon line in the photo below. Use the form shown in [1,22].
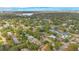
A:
[39,8]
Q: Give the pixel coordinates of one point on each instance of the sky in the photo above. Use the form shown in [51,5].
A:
[39,3]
